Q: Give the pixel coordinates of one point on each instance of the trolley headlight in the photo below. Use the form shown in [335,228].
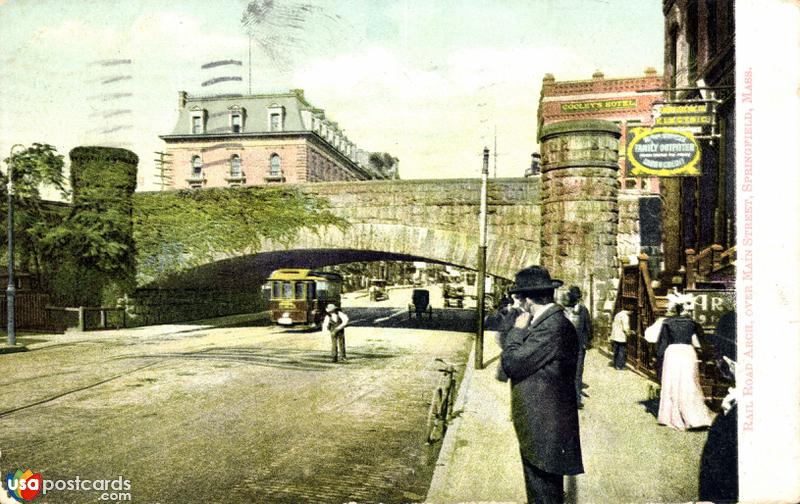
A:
[285,319]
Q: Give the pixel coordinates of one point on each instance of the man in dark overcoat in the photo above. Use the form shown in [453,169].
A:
[577,313]
[540,357]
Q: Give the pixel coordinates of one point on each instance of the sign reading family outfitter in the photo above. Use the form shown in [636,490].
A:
[592,106]
[662,152]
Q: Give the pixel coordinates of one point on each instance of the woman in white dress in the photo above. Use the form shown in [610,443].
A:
[682,405]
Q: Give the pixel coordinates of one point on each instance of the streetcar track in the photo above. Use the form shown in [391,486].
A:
[79,389]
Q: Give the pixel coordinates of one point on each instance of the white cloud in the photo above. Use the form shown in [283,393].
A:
[437,120]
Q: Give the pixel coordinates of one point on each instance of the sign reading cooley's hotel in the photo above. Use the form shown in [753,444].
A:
[591,106]
[663,152]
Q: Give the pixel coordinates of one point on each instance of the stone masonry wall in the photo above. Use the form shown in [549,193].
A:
[439,219]
[628,238]
[579,206]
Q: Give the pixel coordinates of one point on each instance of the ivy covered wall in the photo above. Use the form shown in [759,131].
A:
[178,230]
[94,245]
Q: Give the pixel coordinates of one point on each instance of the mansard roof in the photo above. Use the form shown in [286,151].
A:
[256,110]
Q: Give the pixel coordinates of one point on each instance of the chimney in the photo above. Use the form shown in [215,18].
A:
[598,75]
[182,99]
[650,72]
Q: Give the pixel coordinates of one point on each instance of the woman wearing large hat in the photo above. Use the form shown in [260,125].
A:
[540,357]
[682,404]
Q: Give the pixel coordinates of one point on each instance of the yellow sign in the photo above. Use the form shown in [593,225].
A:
[684,109]
[683,120]
[591,106]
[662,152]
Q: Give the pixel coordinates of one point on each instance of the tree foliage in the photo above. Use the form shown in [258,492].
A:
[98,233]
[39,164]
[32,169]
[96,239]
[384,163]
[180,229]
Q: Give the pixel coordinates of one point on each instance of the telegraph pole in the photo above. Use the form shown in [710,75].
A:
[164,170]
[482,261]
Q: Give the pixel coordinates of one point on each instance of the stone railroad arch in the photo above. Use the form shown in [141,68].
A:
[448,246]
[434,221]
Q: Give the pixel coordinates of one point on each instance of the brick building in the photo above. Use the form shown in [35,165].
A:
[614,100]
[234,140]
[699,62]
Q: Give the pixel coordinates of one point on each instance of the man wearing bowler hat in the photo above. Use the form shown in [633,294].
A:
[540,357]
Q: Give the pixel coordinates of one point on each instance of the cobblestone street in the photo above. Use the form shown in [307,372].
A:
[239,414]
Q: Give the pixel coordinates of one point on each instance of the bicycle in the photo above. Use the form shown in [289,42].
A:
[441,409]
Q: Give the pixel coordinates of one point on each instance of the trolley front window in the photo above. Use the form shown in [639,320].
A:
[298,290]
[287,290]
[276,290]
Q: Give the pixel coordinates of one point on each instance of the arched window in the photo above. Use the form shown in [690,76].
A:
[197,166]
[275,166]
[236,166]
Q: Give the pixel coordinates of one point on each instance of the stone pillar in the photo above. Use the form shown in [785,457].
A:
[580,183]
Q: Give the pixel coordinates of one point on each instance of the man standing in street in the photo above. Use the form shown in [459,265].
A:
[335,322]
[540,357]
[578,314]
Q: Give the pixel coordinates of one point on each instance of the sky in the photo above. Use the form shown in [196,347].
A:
[427,81]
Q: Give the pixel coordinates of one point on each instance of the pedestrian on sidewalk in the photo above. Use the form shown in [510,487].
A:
[578,314]
[620,331]
[719,476]
[682,405]
[502,321]
[540,357]
[335,321]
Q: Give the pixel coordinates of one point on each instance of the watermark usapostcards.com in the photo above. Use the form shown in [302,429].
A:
[23,485]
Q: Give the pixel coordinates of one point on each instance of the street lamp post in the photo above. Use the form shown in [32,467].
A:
[482,261]
[11,290]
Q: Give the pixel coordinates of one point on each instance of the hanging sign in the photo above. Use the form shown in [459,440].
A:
[683,120]
[683,115]
[662,152]
[710,304]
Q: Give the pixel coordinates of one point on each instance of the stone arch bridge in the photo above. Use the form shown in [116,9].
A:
[419,220]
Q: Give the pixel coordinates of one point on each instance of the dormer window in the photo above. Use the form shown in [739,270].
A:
[276,117]
[198,121]
[236,118]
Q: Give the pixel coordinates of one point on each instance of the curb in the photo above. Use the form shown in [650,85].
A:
[9,349]
[449,441]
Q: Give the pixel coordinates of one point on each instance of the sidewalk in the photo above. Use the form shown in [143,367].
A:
[628,457]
